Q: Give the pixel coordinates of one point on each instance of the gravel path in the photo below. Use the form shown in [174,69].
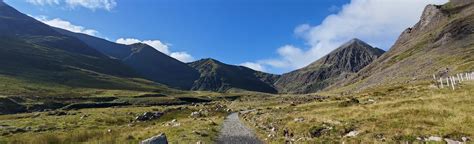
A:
[235,132]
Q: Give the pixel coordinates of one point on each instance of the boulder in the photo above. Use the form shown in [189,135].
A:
[149,116]
[159,139]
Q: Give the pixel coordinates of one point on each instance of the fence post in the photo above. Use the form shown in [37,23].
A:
[452,82]
[459,78]
[441,82]
[447,82]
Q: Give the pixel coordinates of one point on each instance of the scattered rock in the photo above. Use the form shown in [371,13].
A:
[465,139]
[371,100]
[352,133]
[159,139]
[434,138]
[450,141]
[173,123]
[149,116]
[299,119]
[195,114]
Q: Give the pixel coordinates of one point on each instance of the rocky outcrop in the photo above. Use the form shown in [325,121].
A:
[159,139]
[9,106]
[337,65]
[442,40]
[149,116]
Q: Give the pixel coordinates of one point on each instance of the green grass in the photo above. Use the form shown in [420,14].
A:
[94,128]
[399,114]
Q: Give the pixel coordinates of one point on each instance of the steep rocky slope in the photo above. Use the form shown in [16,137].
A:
[217,76]
[337,65]
[441,43]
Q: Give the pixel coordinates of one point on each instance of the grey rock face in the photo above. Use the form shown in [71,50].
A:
[159,139]
[337,65]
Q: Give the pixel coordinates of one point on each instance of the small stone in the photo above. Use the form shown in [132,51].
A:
[299,119]
[352,133]
[450,141]
[195,114]
[435,138]
[465,139]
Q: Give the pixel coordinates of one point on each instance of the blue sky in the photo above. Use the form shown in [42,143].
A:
[275,36]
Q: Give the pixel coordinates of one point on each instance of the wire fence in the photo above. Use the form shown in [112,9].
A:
[453,81]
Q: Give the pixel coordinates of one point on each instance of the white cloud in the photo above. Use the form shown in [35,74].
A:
[160,46]
[254,66]
[90,4]
[182,56]
[127,41]
[43,2]
[93,4]
[59,23]
[378,22]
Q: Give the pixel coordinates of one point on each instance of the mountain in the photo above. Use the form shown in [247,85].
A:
[217,76]
[441,43]
[34,54]
[337,65]
[145,60]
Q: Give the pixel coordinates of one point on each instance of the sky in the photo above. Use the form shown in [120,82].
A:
[275,36]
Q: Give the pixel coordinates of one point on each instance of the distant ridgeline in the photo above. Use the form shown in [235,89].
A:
[35,52]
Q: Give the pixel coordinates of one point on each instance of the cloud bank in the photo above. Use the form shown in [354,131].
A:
[157,44]
[63,24]
[378,22]
[90,4]
[160,46]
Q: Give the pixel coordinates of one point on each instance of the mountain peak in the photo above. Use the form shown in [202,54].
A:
[355,41]
[208,61]
[139,44]
[344,61]
[357,44]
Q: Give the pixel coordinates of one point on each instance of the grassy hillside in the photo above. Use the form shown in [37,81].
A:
[145,60]
[217,76]
[396,114]
[442,43]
